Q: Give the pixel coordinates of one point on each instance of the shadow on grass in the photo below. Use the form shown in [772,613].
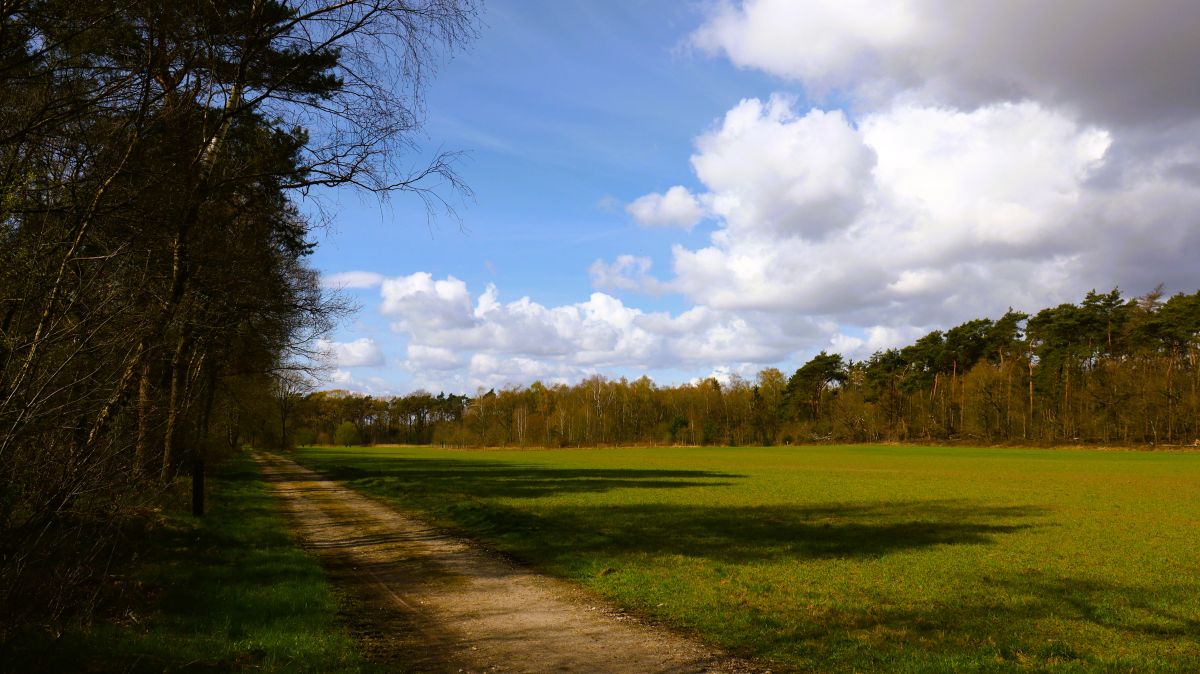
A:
[487,479]
[746,534]
[462,494]
[1157,612]
[1103,626]
[1008,621]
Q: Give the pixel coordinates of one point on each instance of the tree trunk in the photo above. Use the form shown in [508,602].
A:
[173,403]
[1029,414]
[141,450]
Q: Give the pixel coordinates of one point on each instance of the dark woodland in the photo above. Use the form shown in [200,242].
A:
[154,289]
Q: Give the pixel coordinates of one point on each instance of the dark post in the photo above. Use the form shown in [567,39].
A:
[198,486]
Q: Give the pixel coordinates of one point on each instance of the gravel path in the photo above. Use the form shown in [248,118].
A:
[428,602]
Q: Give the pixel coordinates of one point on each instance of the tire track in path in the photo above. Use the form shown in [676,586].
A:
[432,603]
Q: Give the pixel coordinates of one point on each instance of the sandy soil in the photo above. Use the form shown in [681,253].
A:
[427,602]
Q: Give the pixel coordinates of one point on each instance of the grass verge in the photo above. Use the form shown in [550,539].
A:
[228,592]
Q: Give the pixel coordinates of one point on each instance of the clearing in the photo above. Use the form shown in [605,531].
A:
[843,558]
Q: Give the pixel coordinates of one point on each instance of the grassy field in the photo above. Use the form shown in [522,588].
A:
[229,592]
[861,558]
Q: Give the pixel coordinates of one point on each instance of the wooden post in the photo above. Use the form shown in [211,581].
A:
[198,486]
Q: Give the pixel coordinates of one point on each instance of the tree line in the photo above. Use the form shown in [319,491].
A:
[1108,370]
[155,294]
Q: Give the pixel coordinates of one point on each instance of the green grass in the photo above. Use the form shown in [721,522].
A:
[229,592]
[860,558]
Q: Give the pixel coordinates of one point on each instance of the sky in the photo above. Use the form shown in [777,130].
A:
[686,190]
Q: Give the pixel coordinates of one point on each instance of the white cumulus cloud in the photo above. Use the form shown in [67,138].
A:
[426,357]
[626,272]
[959,210]
[769,168]
[481,340]
[823,43]
[1112,61]
[677,207]
[419,300]
[362,352]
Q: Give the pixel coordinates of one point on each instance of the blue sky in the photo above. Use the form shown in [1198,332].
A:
[686,189]
[568,110]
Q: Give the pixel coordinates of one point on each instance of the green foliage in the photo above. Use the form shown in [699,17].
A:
[347,434]
[808,386]
[843,559]
[305,436]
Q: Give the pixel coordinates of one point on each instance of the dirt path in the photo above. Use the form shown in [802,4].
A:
[430,603]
